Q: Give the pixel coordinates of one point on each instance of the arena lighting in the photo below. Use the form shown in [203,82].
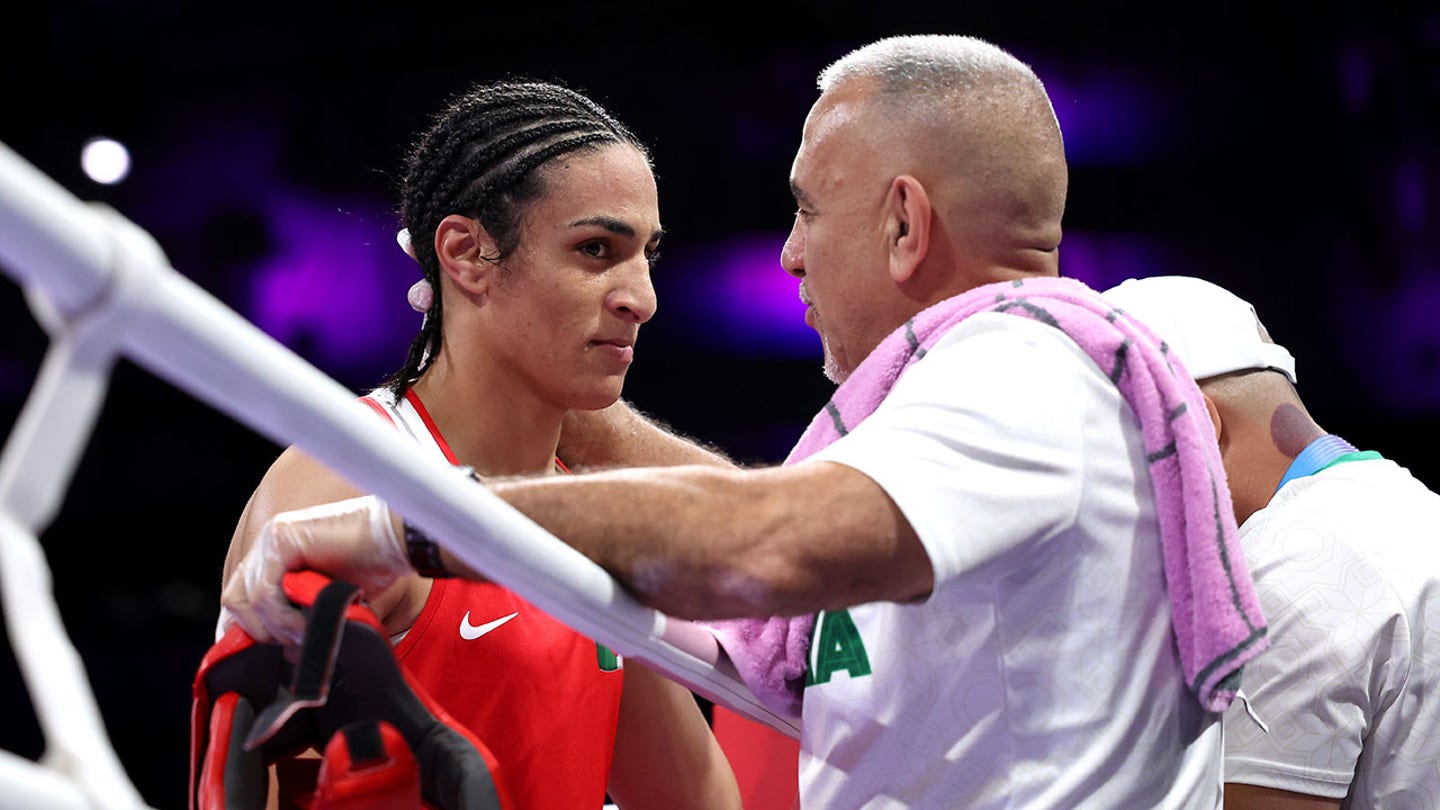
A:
[739,300]
[105,160]
[1110,116]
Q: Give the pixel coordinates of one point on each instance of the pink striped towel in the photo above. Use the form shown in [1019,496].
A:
[1218,622]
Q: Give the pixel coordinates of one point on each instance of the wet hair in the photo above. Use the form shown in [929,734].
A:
[483,156]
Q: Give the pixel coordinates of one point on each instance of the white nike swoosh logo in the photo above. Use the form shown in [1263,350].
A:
[470,632]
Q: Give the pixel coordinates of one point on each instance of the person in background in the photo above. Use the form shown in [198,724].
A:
[1344,546]
[998,569]
[534,216]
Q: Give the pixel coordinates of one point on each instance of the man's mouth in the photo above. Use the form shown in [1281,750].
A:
[622,350]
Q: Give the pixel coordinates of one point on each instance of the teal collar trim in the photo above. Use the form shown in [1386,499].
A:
[1323,453]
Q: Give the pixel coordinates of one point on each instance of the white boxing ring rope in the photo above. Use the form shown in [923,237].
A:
[102,288]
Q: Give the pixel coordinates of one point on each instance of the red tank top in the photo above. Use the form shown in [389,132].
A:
[542,697]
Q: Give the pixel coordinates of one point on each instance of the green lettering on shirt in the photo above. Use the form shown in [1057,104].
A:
[606,657]
[839,647]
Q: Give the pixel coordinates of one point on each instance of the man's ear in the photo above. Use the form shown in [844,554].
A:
[907,226]
[1216,420]
[463,245]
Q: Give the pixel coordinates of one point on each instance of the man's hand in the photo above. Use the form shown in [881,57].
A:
[355,540]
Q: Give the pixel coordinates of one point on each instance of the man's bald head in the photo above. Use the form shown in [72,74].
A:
[975,126]
[928,166]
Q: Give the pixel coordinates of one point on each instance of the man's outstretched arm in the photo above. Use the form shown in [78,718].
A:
[696,542]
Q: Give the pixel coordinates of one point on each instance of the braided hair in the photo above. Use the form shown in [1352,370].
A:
[482,157]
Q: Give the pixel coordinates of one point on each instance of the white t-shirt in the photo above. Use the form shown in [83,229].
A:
[1042,672]
[1347,566]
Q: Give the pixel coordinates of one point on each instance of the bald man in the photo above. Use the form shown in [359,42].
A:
[970,527]
[1344,546]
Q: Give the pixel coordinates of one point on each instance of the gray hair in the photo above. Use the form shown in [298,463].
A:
[963,108]
[940,67]
[931,61]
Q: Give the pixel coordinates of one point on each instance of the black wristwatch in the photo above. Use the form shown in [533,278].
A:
[423,552]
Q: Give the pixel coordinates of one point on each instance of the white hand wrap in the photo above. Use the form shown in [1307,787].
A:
[351,540]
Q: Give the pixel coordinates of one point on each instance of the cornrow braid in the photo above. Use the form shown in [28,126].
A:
[482,157]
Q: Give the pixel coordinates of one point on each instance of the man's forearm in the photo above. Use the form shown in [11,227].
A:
[705,542]
[672,537]
[601,516]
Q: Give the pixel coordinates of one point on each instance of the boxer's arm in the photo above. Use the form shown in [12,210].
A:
[621,436]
